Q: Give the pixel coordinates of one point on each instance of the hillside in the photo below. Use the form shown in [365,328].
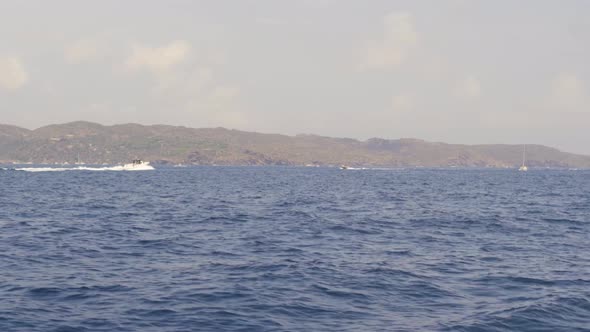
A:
[97,144]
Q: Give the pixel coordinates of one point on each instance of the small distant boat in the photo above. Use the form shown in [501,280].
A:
[523,167]
[344,167]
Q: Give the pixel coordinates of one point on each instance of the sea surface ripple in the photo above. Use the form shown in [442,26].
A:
[295,249]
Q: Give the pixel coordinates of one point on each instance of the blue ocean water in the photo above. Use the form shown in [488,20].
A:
[295,249]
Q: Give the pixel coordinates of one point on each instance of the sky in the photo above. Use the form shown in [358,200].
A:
[456,71]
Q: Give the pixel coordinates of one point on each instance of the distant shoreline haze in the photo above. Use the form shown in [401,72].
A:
[87,142]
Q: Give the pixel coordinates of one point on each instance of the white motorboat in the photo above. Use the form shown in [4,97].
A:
[137,165]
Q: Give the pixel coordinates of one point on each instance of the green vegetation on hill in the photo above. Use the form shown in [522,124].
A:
[94,143]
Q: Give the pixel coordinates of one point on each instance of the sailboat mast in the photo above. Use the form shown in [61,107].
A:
[523,168]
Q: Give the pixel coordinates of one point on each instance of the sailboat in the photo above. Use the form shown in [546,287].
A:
[78,161]
[523,168]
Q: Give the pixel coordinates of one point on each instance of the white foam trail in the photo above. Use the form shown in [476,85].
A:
[99,169]
[373,169]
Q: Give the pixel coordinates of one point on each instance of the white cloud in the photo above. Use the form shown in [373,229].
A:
[568,92]
[399,38]
[12,73]
[468,88]
[190,86]
[197,90]
[158,59]
[81,51]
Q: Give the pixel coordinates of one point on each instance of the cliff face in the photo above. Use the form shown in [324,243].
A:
[94,143]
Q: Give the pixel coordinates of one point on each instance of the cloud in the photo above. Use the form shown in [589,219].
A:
[12,73]
[158,59]
[81,51]
[197,90]
[399,38]
[568,92]
[468,88]
[189,86]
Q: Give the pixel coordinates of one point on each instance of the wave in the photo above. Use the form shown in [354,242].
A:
[374,169]
[560,314]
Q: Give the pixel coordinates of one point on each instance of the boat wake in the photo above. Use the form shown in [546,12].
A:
[63,169]
[373,169]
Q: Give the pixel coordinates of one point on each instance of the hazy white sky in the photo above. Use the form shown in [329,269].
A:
[460,71]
